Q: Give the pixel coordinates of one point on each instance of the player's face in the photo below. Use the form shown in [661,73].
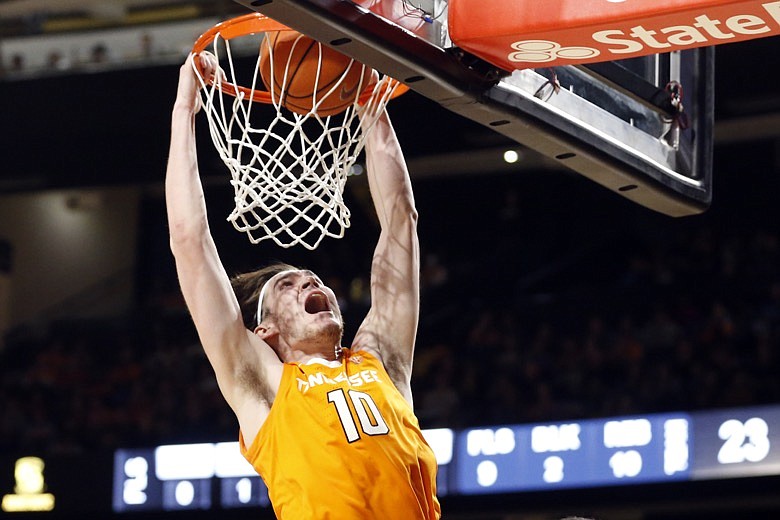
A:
[304,309]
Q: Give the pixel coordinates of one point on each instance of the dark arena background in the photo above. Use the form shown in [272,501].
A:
[578,355]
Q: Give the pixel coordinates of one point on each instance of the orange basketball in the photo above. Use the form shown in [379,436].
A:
[299,56]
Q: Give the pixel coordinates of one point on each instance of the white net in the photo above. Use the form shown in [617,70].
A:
[288,169]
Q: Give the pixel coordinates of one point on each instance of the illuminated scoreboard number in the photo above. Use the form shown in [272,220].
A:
[135,486]
[573,454]
[180,477]
[633,450]
[490,460]
[243,492]
[561,455]
[186,494]
[736,443]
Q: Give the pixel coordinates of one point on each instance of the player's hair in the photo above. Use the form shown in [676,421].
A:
[247,287]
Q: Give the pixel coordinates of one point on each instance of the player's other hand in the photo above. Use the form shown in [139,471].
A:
[209,66]
[191,79]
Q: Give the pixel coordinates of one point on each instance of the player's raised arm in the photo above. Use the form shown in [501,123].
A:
[232,350]
[391,325]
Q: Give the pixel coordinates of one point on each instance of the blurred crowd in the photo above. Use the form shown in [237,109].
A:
[683,322]
[689,325]
[84,57]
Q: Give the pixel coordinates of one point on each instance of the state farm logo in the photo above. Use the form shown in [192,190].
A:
[721,25]
[541,51]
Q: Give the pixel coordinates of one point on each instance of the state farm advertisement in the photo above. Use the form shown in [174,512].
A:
[605,30]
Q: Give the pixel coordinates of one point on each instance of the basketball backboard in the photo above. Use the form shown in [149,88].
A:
[617,123]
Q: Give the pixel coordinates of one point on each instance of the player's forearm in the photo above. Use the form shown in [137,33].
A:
[388,177]
[183,190]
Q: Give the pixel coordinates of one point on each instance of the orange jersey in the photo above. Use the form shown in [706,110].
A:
[342,443]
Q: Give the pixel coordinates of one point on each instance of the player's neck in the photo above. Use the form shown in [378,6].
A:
[304,355]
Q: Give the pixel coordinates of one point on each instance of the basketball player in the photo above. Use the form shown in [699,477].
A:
[330,430]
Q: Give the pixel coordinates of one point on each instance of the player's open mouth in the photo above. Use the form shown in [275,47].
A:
[316,302]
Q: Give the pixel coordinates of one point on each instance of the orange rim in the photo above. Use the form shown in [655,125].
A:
[253,23]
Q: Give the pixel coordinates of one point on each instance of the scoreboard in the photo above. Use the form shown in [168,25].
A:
[518,458]
[573,454]
[504,459]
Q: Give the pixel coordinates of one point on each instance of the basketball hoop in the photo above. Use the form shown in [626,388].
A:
[288,174]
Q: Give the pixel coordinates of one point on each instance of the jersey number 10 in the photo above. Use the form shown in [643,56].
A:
[371,421]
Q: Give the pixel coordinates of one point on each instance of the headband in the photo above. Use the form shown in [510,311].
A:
[262,294]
